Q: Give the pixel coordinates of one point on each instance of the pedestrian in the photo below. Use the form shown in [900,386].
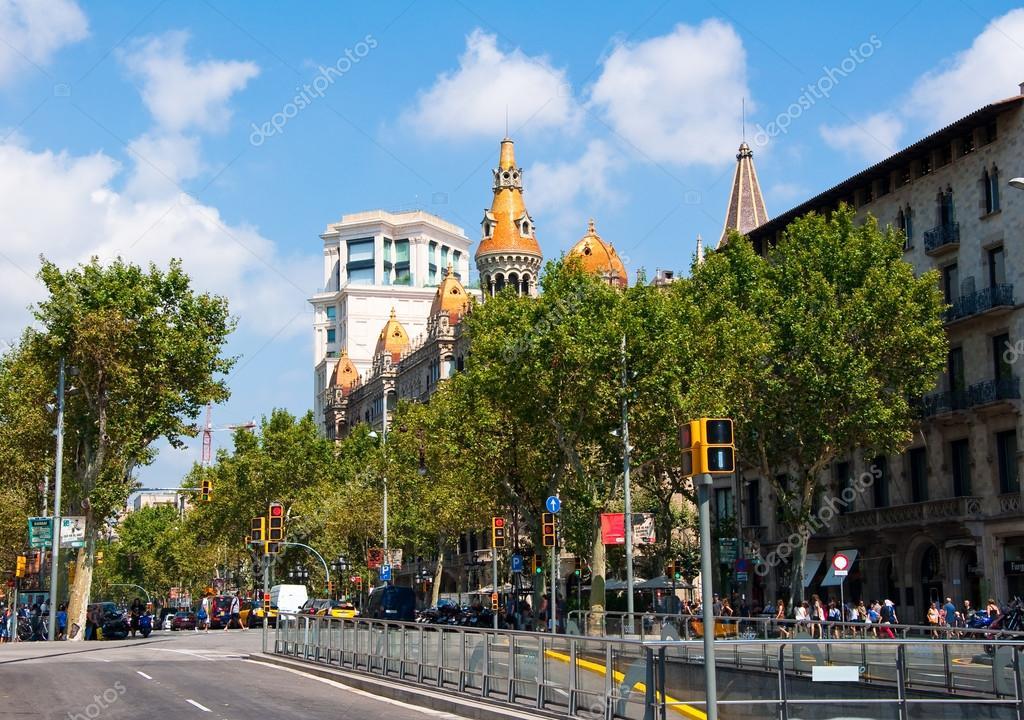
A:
[203,616]
[949,614]
[62,622]
[235,605]
[888,614]
[992,609]
[969,613]
[817,613]
[780,618]
[933,619]
[5,625]
[874,616]
[835,619]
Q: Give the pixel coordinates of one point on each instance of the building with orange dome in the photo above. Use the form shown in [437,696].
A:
[599,257]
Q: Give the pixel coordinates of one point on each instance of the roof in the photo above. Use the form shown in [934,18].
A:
[831,197]
[345,374]
[746,209]
[450,298]
[508,210]
[393,338]
[599,257]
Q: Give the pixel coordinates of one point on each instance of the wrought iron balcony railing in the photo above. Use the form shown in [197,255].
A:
[941,238]
[980,302]
[991,391]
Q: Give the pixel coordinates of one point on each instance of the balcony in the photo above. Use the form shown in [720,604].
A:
[943,403]
[983,302]
[942,239]
[991,392]
[914,514]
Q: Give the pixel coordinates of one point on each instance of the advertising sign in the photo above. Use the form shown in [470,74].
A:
[72,532]
[613,529]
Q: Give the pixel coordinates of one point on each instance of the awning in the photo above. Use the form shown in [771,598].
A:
[662,583]
[830,578]
[812,562]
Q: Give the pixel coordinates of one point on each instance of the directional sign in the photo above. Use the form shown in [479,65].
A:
[841,565]
[385,573]
[40,532]
[553,504]
[517,563]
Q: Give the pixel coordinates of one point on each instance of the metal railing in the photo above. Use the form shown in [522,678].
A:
[980,302]
[608,677]
[941,237]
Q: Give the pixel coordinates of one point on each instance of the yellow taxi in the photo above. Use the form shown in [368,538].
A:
[251,615]
[338,609]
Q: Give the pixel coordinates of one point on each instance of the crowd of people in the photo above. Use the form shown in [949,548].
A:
[30,622]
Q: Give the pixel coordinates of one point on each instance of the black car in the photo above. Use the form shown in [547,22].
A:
[391,602]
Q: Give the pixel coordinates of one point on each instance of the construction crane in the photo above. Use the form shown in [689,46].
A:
[209,430]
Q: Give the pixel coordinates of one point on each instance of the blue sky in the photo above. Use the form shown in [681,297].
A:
[141,129]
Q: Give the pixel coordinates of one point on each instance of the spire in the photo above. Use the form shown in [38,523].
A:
[746,209]
[700,250]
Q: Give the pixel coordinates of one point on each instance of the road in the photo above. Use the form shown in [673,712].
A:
[173,675]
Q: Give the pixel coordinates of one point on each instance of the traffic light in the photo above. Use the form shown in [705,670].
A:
[258,531]
[99,557]
[497,532]
[19,567]
[548,529]
[271,548]
[266,604]
[494,601]
[206,490]
[538,564]
[275,531]
[708,447]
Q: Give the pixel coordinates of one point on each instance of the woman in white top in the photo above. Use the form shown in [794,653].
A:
[801,615]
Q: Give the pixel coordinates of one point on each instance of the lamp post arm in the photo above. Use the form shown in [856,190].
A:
[327,572]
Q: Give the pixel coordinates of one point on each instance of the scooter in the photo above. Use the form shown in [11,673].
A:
[145,624]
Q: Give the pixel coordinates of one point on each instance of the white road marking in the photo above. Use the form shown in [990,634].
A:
[201,707]
[148,677]
[185,652]
[356,691]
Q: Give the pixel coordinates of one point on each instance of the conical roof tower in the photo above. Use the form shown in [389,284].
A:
[746,209]
[508,254]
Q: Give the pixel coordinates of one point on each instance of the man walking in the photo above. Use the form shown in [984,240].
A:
[234,614]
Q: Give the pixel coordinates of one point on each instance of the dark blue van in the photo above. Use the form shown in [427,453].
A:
[391,602]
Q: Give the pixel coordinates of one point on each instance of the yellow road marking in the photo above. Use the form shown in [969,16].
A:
[684,710]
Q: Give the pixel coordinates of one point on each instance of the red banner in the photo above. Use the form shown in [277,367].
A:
[613,528]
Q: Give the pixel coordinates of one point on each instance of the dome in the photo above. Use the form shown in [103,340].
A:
[507,226]
[599,257]
[450,298]
[393,339]
[345,375]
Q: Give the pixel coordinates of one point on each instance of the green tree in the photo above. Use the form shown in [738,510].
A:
[818,349]
[147,354]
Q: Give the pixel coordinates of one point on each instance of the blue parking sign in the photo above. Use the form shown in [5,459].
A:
[517,563]
[385,573]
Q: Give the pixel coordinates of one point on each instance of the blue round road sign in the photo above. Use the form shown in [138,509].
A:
[553,504]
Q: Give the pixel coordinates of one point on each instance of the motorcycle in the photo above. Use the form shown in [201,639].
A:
[1010,622]
[115,626]
[145,625]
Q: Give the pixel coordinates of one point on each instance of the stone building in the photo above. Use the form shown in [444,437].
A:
[944,518]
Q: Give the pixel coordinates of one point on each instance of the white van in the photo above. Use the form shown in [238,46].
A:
[288,598]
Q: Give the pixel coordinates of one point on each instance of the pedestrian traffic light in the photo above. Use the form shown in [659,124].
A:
[497,532]
[538,564]
[206,490]
[707,447]
[548,529]
[258,531]
[266,604]
[275,530]
[271,548]
[19,567]
[494,601]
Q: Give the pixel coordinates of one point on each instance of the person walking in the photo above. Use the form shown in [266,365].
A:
[780,618]
[204,614]
[949,614]
[5,625]
[234,618]
[817,612]
[888,614]
[62,622]
[933,619]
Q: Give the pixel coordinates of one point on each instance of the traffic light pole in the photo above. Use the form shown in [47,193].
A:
[627,496]
[494,582]
[51,623]
[707,613]
[266,589]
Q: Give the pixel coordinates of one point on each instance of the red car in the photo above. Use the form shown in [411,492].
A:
[184,621]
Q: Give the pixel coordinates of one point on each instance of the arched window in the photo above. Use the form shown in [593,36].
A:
[908,225]
[986,189]
[945,207]
[994,180]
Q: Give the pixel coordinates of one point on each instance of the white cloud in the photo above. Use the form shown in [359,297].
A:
[872,139]
[66,207]
[162,162]
[181,94]
[473,99]
[988,70]
[31,31]
[676,98]
[787,192]
[557,187]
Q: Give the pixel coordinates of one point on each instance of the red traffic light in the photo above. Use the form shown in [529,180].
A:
[499,522]
[276,510]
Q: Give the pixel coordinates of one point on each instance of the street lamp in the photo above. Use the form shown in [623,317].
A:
[384,443]
[1017,182]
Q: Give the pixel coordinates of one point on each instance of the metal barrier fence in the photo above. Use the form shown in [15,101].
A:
[605,677]
[691,627]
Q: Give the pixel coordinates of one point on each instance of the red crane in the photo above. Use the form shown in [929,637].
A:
[209,430]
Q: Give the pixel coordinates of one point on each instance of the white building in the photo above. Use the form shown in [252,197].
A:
[374,262]
[153,498]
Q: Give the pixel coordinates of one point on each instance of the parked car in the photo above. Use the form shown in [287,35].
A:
[220,611]
[391,602]
[184,620]
[251,615]
[338,609]
[313,606]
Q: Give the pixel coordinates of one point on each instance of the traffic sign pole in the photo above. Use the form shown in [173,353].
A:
[707,612]
[494,580]
[51,623]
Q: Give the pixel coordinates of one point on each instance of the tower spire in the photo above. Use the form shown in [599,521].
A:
[746,209]
[700,250]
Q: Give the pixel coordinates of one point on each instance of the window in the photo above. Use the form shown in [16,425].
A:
[403,274]
[332,312]
[456,256]
[844,480]
[432,263]
[724,510]
[754,503]
[990,132]
[955,370]
[994,180]
[1006,449]
[944,156]
[951,283]
[908,218]
[444,256]
[967,144]
[885,186]
[924,167]
[996,266]
[1003,369]
[332,335]
[880,487]
[945,207]
[960,461]
[903,177]
[360,261]
[917,466]
[901,225]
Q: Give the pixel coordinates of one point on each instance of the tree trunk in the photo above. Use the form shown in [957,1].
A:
[797,582]
[598,569]
[438,574]
[78,603]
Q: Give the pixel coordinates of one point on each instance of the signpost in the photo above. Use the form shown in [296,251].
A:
[841,568]
[40,532]
[517,563]
[554,505]
[385,573]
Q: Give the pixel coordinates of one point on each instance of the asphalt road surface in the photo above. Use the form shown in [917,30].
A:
[174,675]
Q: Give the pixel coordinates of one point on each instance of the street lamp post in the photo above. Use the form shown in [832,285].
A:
[627,497]
[1017,182]
[57,477]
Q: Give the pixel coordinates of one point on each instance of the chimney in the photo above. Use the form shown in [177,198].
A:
[1021,86]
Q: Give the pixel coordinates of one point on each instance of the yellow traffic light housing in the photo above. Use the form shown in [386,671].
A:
[498,532]
[258,530]
[206,490]
[19,567]
[275,528]
[271,548]
[708,447]
[548,529]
